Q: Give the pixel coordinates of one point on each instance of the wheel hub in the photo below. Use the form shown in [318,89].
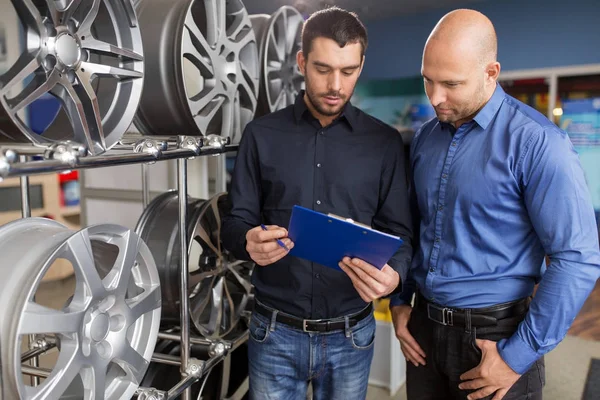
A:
[68,50]
[100,327]
[99,322]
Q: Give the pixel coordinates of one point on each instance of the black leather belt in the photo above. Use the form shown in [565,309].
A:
[480,317]
[314,325]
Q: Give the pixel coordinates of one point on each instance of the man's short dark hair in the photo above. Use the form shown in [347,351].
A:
[336,24]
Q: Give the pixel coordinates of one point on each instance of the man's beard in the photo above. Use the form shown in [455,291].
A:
[318,105]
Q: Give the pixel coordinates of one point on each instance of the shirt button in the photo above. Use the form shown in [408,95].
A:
[445,176]
[318,276]
[319,165]
[318,201]
[437,240]
[440,208]
[453,144]
[432,269]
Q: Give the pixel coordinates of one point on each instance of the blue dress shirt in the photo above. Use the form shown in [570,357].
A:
[492,198]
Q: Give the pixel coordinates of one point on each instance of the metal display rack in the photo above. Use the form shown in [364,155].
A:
[22,160]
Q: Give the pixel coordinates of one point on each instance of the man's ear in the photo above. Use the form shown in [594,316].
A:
[301,60]
[492,72]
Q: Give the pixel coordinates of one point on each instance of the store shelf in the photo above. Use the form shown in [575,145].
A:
[72,211]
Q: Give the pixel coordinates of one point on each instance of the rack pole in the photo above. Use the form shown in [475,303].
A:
[25,203]
[26,213]
[145,188]
[183,287]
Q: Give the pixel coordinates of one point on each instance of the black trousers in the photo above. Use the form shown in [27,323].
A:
[451,351]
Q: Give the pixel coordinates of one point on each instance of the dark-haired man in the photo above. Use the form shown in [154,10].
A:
[312,323]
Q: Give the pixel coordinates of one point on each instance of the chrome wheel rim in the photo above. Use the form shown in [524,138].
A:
[211,83]
[280,36]
[88,55]
[108,329]
[221,286]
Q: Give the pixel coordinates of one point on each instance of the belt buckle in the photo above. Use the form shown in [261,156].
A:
[306,321]
[447,314]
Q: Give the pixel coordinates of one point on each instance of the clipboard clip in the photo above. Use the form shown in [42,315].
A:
[349,220]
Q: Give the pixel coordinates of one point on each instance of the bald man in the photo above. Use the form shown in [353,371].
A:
[495,187]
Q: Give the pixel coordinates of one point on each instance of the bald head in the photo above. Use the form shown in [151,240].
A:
[459,67]
[469,32]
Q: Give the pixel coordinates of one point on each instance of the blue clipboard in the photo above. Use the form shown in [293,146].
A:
[326,239]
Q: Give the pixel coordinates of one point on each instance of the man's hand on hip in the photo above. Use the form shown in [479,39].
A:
[409,346]
[370,282]
[492,375]
[263,247]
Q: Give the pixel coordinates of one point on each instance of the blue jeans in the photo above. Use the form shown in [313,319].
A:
[283,360]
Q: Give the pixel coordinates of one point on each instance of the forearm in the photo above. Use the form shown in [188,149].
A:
[233,235]
[409,287]
[559,298]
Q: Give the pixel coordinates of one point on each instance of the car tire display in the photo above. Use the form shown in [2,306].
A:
[279,36]
[219,285]
[105,333]
[202,68]
[108,67]
[86,55]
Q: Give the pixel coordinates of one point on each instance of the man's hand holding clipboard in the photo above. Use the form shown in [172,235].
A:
[267,245]
[370,282]
[359,251]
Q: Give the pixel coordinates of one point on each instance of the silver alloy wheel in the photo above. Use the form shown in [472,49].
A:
[280,41]
[219,285]
[106,333]
[159,227]
[85,53]
[202,68]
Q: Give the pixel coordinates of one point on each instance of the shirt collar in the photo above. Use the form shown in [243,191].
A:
[488,112]
[300,107]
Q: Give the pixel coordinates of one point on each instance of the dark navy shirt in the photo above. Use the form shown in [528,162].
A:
[354,167]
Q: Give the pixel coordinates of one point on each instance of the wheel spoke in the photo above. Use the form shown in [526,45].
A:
[39,86]
[85,28]
[83,110]
[100,46]
[66,369]
[274,69]
[39,319]
[29,15]
[248,85]
[82,257]
[132,363]
[192,48]
[197,35]
[240,24]
[275,47]
[109,71]
[277,105]
[128,253]
[95,383]
[61,13]
[26,65]
[241,280]
[204,117]
[148,301]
